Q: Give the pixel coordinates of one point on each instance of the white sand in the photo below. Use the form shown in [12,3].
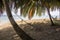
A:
[5,25]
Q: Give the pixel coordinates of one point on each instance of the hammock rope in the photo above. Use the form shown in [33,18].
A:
[23,20]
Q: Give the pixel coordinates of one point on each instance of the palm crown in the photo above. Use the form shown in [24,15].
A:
[29,7]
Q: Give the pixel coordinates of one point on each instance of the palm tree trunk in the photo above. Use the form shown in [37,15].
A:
[50,16]
[18,30]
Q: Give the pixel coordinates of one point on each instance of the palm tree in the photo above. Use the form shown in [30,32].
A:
[50,16]
[27,7]
[47,5]
[18,30]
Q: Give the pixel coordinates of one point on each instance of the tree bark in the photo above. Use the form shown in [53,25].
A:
[18,30]
[50,16]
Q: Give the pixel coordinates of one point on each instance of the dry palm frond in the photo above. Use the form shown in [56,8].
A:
[31,12]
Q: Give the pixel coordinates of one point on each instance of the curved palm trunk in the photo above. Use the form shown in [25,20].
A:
[47,6]
[18,30]
[50,16]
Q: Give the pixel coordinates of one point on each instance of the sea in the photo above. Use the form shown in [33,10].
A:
[4,19]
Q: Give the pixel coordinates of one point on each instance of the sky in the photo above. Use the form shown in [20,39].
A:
[53,13]
[56,12]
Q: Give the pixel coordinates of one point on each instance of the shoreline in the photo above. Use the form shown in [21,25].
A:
[7,24]
[38,31]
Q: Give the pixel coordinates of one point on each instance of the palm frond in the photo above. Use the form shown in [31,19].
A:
[31,12]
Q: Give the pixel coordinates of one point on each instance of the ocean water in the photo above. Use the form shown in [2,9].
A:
[4,18]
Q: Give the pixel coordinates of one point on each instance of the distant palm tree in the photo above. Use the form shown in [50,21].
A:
[31,7]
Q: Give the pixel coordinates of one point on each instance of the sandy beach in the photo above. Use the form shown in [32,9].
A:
[41,30]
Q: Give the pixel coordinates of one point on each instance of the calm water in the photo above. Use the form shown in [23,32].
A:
[4,18]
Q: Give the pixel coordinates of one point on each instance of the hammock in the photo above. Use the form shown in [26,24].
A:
[23,20]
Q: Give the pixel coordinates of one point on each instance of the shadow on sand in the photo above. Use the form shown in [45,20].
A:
[39,31]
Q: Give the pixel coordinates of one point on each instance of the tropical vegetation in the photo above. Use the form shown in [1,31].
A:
[27,7]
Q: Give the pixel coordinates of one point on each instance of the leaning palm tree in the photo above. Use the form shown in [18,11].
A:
[47,4]
[18,30]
